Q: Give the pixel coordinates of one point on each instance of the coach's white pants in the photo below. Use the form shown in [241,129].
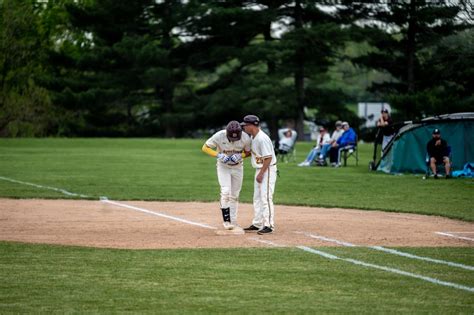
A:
[264,211]
[230,180]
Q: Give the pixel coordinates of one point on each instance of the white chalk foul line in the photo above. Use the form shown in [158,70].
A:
[369,265]
[68,193]
[391,251]
[455,236]
[409,274]
[158,214]
[106,200]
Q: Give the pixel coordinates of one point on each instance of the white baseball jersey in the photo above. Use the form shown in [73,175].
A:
[262,147]
[264,210]
[223,145]
[229,175]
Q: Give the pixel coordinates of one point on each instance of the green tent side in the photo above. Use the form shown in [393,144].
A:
[407,153]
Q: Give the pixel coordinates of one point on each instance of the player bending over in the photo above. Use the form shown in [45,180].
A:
[229,146]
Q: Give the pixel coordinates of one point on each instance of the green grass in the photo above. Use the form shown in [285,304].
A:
[37,278]
[171,169]
[44,279]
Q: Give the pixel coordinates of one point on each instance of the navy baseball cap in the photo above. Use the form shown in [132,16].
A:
[385,110]
[436,132]
[251,120]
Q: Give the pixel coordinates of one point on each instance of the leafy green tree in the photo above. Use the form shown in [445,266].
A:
[25,107]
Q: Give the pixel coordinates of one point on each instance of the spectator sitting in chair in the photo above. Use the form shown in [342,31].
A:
[346,141]
[438,154]
[287,138]
[323,143]
[336,134]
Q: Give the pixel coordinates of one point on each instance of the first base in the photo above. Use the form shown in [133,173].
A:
[230,232]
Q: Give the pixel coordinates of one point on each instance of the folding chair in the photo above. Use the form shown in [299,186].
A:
[290,156]
[349,151]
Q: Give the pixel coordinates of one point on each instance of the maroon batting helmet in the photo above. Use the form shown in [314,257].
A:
[233,131]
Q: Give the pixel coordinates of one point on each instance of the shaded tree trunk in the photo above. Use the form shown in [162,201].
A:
[410,52]
[271,69]
[299,76]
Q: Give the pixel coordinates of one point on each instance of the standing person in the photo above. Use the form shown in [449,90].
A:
[232,146]
[264,162]
[438,153]
[317,152]
[385,123]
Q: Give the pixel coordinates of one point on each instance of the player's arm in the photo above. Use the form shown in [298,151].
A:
[266,164]
[209,151]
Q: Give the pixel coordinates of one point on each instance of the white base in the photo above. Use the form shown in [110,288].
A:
[235,231]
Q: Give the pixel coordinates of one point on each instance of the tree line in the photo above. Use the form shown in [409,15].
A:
[173,67]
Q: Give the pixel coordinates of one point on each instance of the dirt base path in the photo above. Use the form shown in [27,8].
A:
[101,224]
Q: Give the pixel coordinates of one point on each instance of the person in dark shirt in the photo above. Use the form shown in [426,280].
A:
[385,123]
[438,153]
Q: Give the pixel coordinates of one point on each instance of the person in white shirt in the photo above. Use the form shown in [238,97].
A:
[323,141]
[229,146]
[264,162]
[287,138]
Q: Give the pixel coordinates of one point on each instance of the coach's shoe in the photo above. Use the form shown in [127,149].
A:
[265,230]
[251,228]
[448,176]
[435,176]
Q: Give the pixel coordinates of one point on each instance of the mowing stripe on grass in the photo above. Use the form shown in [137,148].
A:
[455,236]
[68,193]
[106,200]
[391,251]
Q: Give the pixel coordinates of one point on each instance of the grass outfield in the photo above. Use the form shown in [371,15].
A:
[37,278]
[169,169]
[44,278]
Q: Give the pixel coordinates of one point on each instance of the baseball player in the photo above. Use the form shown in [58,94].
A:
[229,146]
[264,162]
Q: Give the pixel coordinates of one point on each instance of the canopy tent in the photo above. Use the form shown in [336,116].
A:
[406,153]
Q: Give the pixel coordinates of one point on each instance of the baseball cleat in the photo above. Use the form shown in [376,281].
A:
[228,225]
[251,228]
[265,230]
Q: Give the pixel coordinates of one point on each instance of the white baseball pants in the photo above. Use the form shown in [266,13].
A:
[264,211]
[230,180]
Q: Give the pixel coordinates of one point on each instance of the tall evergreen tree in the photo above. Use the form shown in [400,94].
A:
[268,73]
[406,34]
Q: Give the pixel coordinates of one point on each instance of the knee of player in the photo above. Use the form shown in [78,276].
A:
[225,191]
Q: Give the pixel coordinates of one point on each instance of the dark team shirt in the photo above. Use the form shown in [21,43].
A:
[388,130]
[437,151]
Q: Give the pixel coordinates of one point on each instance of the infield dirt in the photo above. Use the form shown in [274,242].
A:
[98,224]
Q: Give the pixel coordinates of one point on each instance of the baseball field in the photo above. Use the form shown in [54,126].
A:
[130,225]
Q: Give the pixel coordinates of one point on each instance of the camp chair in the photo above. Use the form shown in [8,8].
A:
[350,151]
[290,156]
[439,167]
